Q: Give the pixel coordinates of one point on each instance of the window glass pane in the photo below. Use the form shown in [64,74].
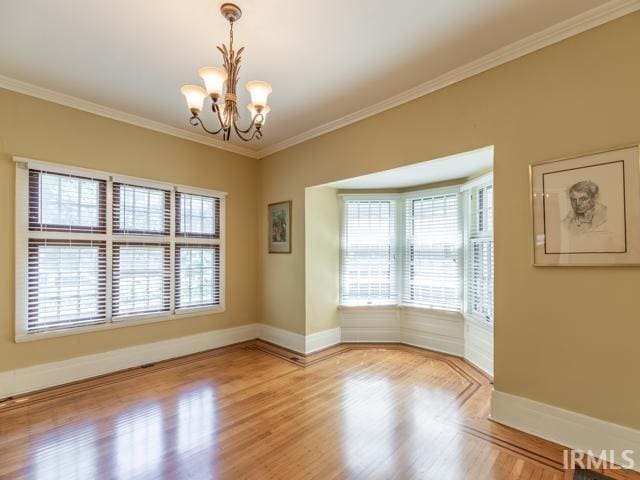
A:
[480,272]
[433,244]
[140,210]
[141,281]
[198,276]
[68,201]
[368,259]
[66,284]
[197,215]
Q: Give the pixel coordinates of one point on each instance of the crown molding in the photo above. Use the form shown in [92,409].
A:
[554,34]
[87,106]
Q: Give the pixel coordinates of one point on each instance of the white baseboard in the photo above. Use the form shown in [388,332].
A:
[318,341]
[283,338]
[29,379]
[574,430]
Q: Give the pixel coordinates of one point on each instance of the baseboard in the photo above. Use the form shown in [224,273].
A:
[30,379]
[326,338]
[574,430]
[283,338]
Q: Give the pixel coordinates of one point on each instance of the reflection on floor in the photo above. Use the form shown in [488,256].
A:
[253,411]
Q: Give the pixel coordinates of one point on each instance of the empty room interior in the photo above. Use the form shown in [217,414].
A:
[320,240]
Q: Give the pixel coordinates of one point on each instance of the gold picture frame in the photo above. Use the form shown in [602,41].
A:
[279,227]
[585,209]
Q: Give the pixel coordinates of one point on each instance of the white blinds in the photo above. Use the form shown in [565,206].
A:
[197,275]
[198,253]
[432,270]
[90,250]
[140,210]
[197,216]
[141,278]
[368,252]
[480,253]
[66,283]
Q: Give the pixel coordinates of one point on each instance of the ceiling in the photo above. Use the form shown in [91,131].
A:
[453,167]
[325,59]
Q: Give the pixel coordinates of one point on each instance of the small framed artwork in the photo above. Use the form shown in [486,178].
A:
[586,209]
[280,227]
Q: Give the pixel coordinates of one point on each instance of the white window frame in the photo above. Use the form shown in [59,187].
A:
[400,243]
[22,236]
[455,189]
[397,246]
[466,189]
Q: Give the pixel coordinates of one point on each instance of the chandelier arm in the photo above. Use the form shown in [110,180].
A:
[252,124]
[195,121]
[216,111]
[256,133]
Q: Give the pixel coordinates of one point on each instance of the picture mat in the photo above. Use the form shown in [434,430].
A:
[608,237]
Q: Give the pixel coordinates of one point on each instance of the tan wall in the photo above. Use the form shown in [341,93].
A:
[322,250]
[37,129]
[563,336]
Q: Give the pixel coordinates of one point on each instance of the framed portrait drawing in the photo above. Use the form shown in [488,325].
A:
[586,209]
[280,227]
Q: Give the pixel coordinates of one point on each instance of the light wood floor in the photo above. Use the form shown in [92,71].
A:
[250,411]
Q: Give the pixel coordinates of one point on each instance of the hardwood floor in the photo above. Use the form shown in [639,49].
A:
[256,411]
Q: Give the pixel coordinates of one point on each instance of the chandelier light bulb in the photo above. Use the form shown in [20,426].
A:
[213,78]
[266,109]
[259,91]
[195,96]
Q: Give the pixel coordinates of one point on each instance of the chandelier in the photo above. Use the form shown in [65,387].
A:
[224,107]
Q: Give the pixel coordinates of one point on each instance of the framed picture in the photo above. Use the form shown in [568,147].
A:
[586,209]
[280,227]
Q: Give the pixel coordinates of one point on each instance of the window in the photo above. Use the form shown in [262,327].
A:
[432,252]
[66,283]
[140,211]
[141,278]
[197,216]
[440,242]
[368,252]
[97,252]
[197,270]
[480,253]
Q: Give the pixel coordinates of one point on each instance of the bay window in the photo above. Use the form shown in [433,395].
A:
[430,249]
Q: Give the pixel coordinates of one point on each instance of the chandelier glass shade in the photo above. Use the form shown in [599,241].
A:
[220,85]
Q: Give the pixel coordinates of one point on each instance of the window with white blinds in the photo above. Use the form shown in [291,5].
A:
[368,263]
[480,253]
[96,251]
[409,250]
[432,252]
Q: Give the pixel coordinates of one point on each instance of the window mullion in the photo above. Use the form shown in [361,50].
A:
[172,252]
[109,252]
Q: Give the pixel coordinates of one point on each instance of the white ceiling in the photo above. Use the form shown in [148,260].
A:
[325,59]
[453,167]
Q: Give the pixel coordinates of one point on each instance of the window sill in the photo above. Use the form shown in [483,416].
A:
[121,322]
[383,306]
